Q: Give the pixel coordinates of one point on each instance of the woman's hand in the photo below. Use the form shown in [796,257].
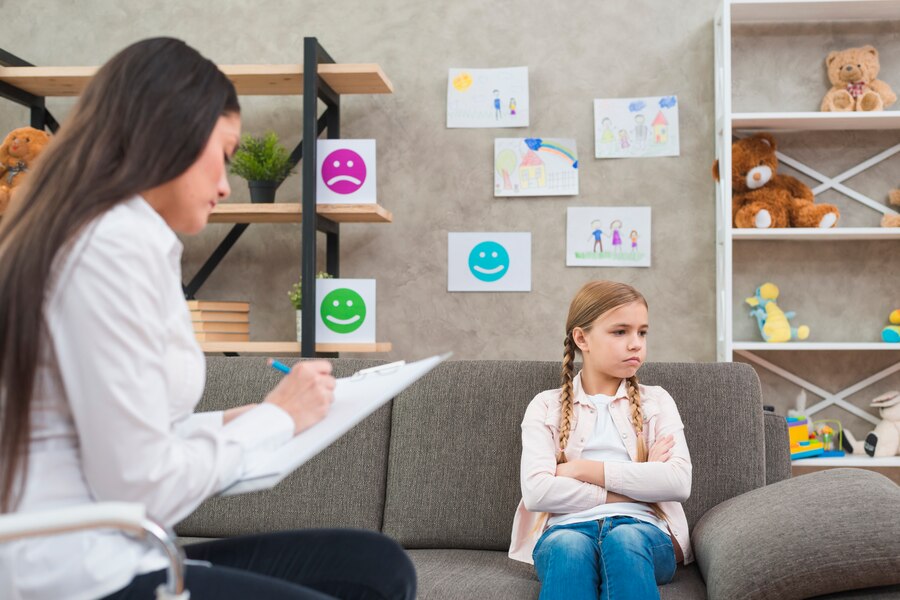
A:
[662,449]
[305,393]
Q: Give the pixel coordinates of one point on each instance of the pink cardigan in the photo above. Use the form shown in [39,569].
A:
[667,483]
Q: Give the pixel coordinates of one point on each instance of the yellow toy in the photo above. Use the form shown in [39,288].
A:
[891,333]
[802,446]
[774,324]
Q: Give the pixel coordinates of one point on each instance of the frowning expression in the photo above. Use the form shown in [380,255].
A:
[344,171]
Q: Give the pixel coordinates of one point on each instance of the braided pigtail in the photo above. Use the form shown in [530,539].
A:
[637,421]
[565,397]
[637,416]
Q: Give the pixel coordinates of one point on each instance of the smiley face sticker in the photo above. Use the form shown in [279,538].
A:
[344,171]
[343,310]
[488,261]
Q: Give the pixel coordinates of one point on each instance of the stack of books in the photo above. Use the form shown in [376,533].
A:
[220,321]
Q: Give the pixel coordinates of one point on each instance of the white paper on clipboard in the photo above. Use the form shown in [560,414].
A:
[355,398]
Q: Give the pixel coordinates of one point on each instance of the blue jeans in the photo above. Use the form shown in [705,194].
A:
[615,558]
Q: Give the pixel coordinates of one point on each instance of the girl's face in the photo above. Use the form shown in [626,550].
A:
[186,202]
[615,345]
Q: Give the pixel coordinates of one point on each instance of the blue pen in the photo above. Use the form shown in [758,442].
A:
[280,366]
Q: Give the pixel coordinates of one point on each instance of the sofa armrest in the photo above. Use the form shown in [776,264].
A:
[778,448]
[828,531]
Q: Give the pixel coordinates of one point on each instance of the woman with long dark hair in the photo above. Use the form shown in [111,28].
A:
[99,368]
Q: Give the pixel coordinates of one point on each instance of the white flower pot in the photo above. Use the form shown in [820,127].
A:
[299,324]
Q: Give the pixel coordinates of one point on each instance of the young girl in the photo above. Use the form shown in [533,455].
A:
[605,464]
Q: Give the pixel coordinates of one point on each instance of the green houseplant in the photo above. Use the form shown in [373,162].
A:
[296,296]
[264,163]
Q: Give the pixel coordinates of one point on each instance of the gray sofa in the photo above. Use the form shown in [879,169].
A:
[438,470]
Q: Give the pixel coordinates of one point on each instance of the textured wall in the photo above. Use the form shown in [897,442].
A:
[437,180]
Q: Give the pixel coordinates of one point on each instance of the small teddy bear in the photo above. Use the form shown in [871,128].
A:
[17,154]
[853,74]
[761,198]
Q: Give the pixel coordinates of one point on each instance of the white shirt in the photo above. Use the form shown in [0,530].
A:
[119,375]
[605,445]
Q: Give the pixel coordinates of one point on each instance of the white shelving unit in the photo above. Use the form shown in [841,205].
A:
[851,460]
[732,125]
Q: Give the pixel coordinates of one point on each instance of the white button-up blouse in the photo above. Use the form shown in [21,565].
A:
[119,375]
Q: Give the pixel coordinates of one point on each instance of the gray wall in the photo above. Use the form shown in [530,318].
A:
[436,180]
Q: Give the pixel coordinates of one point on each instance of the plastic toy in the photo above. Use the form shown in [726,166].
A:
[774,324]
[891,333]
[831,436]
[801,444]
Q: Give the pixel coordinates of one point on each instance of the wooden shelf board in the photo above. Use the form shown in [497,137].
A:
[758,11]
[290,212]
[259,80]
[817,121]
[850,460]
[795,346]
[815,235]
[281,348]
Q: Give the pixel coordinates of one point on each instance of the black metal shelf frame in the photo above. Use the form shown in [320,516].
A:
[314,89]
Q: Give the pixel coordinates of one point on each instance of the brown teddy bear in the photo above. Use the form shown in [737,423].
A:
[17,154]
[761,198]
[853,75]
[892,220]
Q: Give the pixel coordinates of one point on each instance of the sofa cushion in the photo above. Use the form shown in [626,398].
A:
[838,527]
[778,449]
[343,486]
[453,469]
[467,574]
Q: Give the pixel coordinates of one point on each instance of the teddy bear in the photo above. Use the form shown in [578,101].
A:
[884,440]
[853,74]
[892,220]
[17,154]
[761,198]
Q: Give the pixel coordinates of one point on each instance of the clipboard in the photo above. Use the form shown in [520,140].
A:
[355,398]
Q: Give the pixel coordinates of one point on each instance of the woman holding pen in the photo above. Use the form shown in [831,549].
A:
[99,368]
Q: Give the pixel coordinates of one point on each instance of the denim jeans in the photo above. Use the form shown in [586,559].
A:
[612,559]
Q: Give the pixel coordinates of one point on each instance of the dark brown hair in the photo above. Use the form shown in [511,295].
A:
[143,120]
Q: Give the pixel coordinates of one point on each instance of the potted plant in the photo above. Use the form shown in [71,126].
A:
[296,296]
[264,163]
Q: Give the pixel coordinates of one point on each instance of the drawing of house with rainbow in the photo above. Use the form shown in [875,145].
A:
[660,129]
[532,172]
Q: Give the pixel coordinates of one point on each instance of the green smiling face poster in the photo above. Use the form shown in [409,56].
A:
[345,310]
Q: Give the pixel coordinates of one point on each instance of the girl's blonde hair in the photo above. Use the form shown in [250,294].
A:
[592,301]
